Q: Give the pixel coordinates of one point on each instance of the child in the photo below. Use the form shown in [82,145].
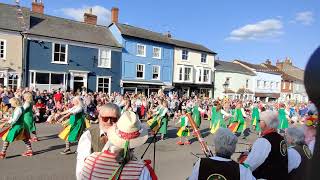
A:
[184,129]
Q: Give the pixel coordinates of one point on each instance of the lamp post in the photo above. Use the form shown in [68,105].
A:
[225,86]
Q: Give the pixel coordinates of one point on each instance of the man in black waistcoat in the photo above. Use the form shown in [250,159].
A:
[299,154]
[268,158]
[221,166]
[94,139]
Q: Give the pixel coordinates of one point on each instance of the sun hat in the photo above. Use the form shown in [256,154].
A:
[128,128]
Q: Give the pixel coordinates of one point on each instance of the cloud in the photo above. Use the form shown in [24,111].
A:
[305,18]
[265,29]
[104,15]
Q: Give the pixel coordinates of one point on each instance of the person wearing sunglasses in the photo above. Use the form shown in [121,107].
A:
[94,139]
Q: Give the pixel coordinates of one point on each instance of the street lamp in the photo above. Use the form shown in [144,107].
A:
[225,86]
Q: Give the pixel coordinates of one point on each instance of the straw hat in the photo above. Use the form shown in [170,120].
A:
[130,128]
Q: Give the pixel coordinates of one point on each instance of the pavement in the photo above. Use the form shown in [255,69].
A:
[172,162]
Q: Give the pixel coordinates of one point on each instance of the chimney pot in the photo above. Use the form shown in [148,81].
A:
[114,15]
[90,18]
[38,6]
[168,34]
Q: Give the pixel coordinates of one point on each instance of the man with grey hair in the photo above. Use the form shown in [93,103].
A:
[268,158]
[94,139]
[221,166]
[299,154]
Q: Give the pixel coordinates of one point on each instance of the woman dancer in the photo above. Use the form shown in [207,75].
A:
[28,115]
[255,121]
[184,130]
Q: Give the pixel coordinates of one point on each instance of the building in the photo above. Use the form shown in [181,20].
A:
[297,75]
[193,69]
[267,82]
[67,54]
[147,58]
[234,81]
[11,45]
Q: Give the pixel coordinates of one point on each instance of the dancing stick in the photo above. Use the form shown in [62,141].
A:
[204,146]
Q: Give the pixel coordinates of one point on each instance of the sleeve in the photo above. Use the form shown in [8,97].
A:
[164,112]
[225,113]
[26,105]
[145,174]
[75,110]
[16,115]
[84,150]
[294,159]
[245,173]
[195,171]
[243,113]
[259,153]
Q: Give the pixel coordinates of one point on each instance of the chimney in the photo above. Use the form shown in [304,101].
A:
[90,18]
[288,61]
[268,62]
[168,34]
[37,6]
[114,15]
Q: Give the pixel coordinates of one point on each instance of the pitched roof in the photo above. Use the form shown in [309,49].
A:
[225,66]
[259,68]
[285,76]
[133,31]
[56,27]
[9,19]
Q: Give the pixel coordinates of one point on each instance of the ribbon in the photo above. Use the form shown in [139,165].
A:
[116,174]
[128,136]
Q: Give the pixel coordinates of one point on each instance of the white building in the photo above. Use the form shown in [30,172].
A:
[267,83]
[233,81]
[193,69]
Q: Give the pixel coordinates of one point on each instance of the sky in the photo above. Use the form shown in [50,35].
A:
[249,30]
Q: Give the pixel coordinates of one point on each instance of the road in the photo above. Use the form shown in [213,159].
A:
[172,161]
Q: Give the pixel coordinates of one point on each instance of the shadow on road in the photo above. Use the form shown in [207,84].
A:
[52,148]
[44,138]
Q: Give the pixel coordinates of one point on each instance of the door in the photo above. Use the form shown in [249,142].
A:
[2,81]
[78,83]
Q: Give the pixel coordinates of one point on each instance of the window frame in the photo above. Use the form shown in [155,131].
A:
[181,68]
[13,78]
[109,56]
[158,72]
[160,52]
[143,73]
[33,76]
[4,49]
[109,85]
[247,83]
[208,75]
[190,75]
[145,50]
[53,52]
[205,62]
[187,55]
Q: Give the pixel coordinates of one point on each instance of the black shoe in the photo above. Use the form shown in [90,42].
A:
[66,152]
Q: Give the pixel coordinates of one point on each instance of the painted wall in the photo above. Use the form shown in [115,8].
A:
[13,51]
[194,60]
[39,57]
[130,59]
[268,78]
[237,81]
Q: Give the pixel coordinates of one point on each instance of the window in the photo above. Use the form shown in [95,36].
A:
[156,53]
[203,58]
[271,85]
[247,83]
[185,54]
[48,80]
[104,58]
[180,74]
[283,85]
[187,74]
[3,46]
[277,85]
[60,53]
[199,75]
[42,78]
[57,78]
[13,81]
[141,50]
[104,84]
[140,71]
[206,74]
[156,72]
[265,84]
[258,83]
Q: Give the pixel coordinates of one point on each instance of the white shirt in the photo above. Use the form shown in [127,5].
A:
[16,115]
[26,105]
[294,159]
[83,150]
[75,109]
[245,173]
[259,153]
[311,145]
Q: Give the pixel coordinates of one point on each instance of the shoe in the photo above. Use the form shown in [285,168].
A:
[27,154]
[187,143]
[2,155]
[180,143]
[34,139]
[66,152]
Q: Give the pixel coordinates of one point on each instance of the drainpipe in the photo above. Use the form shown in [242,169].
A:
[24,61]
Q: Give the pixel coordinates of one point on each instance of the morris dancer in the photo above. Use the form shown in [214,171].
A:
[239,124]
[76,125]
[160,119]
[213,115]
[196,114]
[255,121]
[16,131]
[219,121]
[283,117]
[28,115]
[184,130]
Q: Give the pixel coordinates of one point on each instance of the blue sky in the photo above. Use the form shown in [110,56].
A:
[250,30]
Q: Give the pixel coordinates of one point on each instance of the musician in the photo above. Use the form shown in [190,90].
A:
[268,158]
[221,166]
[299,154]
[94,139]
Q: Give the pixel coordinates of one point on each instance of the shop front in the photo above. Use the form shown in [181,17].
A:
[200,90]
[266,97]
[141,87]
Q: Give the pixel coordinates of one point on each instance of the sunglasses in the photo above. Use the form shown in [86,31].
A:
[111,119]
